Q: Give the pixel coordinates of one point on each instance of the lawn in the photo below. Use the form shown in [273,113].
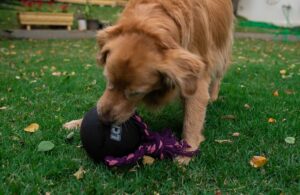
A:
[29,92]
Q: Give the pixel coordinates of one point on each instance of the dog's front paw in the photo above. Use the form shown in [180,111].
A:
[75,124]
[183,160]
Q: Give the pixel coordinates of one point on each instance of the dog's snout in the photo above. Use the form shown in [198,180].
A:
[105,115]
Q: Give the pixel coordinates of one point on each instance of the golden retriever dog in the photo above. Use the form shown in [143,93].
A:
[160,49]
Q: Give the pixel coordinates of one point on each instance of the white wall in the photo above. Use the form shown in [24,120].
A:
[271,11]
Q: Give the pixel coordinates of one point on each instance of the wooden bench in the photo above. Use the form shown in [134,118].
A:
[97,2]
[41,18]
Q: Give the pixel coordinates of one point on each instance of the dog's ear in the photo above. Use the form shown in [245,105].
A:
[102,37]
[183,69]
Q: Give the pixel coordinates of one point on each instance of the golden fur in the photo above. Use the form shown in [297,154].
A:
[163,48]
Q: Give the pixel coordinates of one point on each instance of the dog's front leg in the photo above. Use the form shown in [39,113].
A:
[74,124]
[194,117]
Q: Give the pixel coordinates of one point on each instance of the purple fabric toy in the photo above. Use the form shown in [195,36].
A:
[156,144]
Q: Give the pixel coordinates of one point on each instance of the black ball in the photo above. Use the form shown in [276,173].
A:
[100,140]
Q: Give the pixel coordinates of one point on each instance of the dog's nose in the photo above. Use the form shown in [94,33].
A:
[105,116]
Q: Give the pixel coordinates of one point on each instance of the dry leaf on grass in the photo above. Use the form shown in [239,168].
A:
[32,128]
[3,108]
[80,173]
[258,161]
[271,120]
[247,106]
[218,192]
[276,93]
[148,160]
[57,74]
[70,136]
[229,117]
[223,141]
[290,140]
[283,72]
[289,92]
[236,134]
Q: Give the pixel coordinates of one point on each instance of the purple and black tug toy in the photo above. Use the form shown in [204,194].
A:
[126,144]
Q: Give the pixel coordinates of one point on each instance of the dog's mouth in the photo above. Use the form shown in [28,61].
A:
[123,118]
[118,119]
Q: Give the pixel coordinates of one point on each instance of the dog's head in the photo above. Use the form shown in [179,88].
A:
[140,68]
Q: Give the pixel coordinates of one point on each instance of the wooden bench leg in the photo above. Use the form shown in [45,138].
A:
[28,27]
[69,28]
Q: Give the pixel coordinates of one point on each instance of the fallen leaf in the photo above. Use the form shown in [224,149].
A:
[236,134]
[229,117]
[39,52]
[70,136]
[258,161]
[290,140]
[57,74]
[218,192]
[32,128]
[3,108]
[276,93]
[148,160]
[45,146]
[223,141]
[283,72]
[271,120]
[247,106]
[289,92]
[80,173]
[12,46]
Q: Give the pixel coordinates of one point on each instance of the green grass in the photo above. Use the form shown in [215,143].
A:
[32,94]
[244,25]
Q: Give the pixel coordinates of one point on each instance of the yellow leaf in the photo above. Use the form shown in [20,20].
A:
[223,141]
[148,160]
[271,120]
[247,106]
[80,173]
[276,93]
[32,128]
[3,108]
[258,161]
[282,72]
[56,74]
[229,117]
